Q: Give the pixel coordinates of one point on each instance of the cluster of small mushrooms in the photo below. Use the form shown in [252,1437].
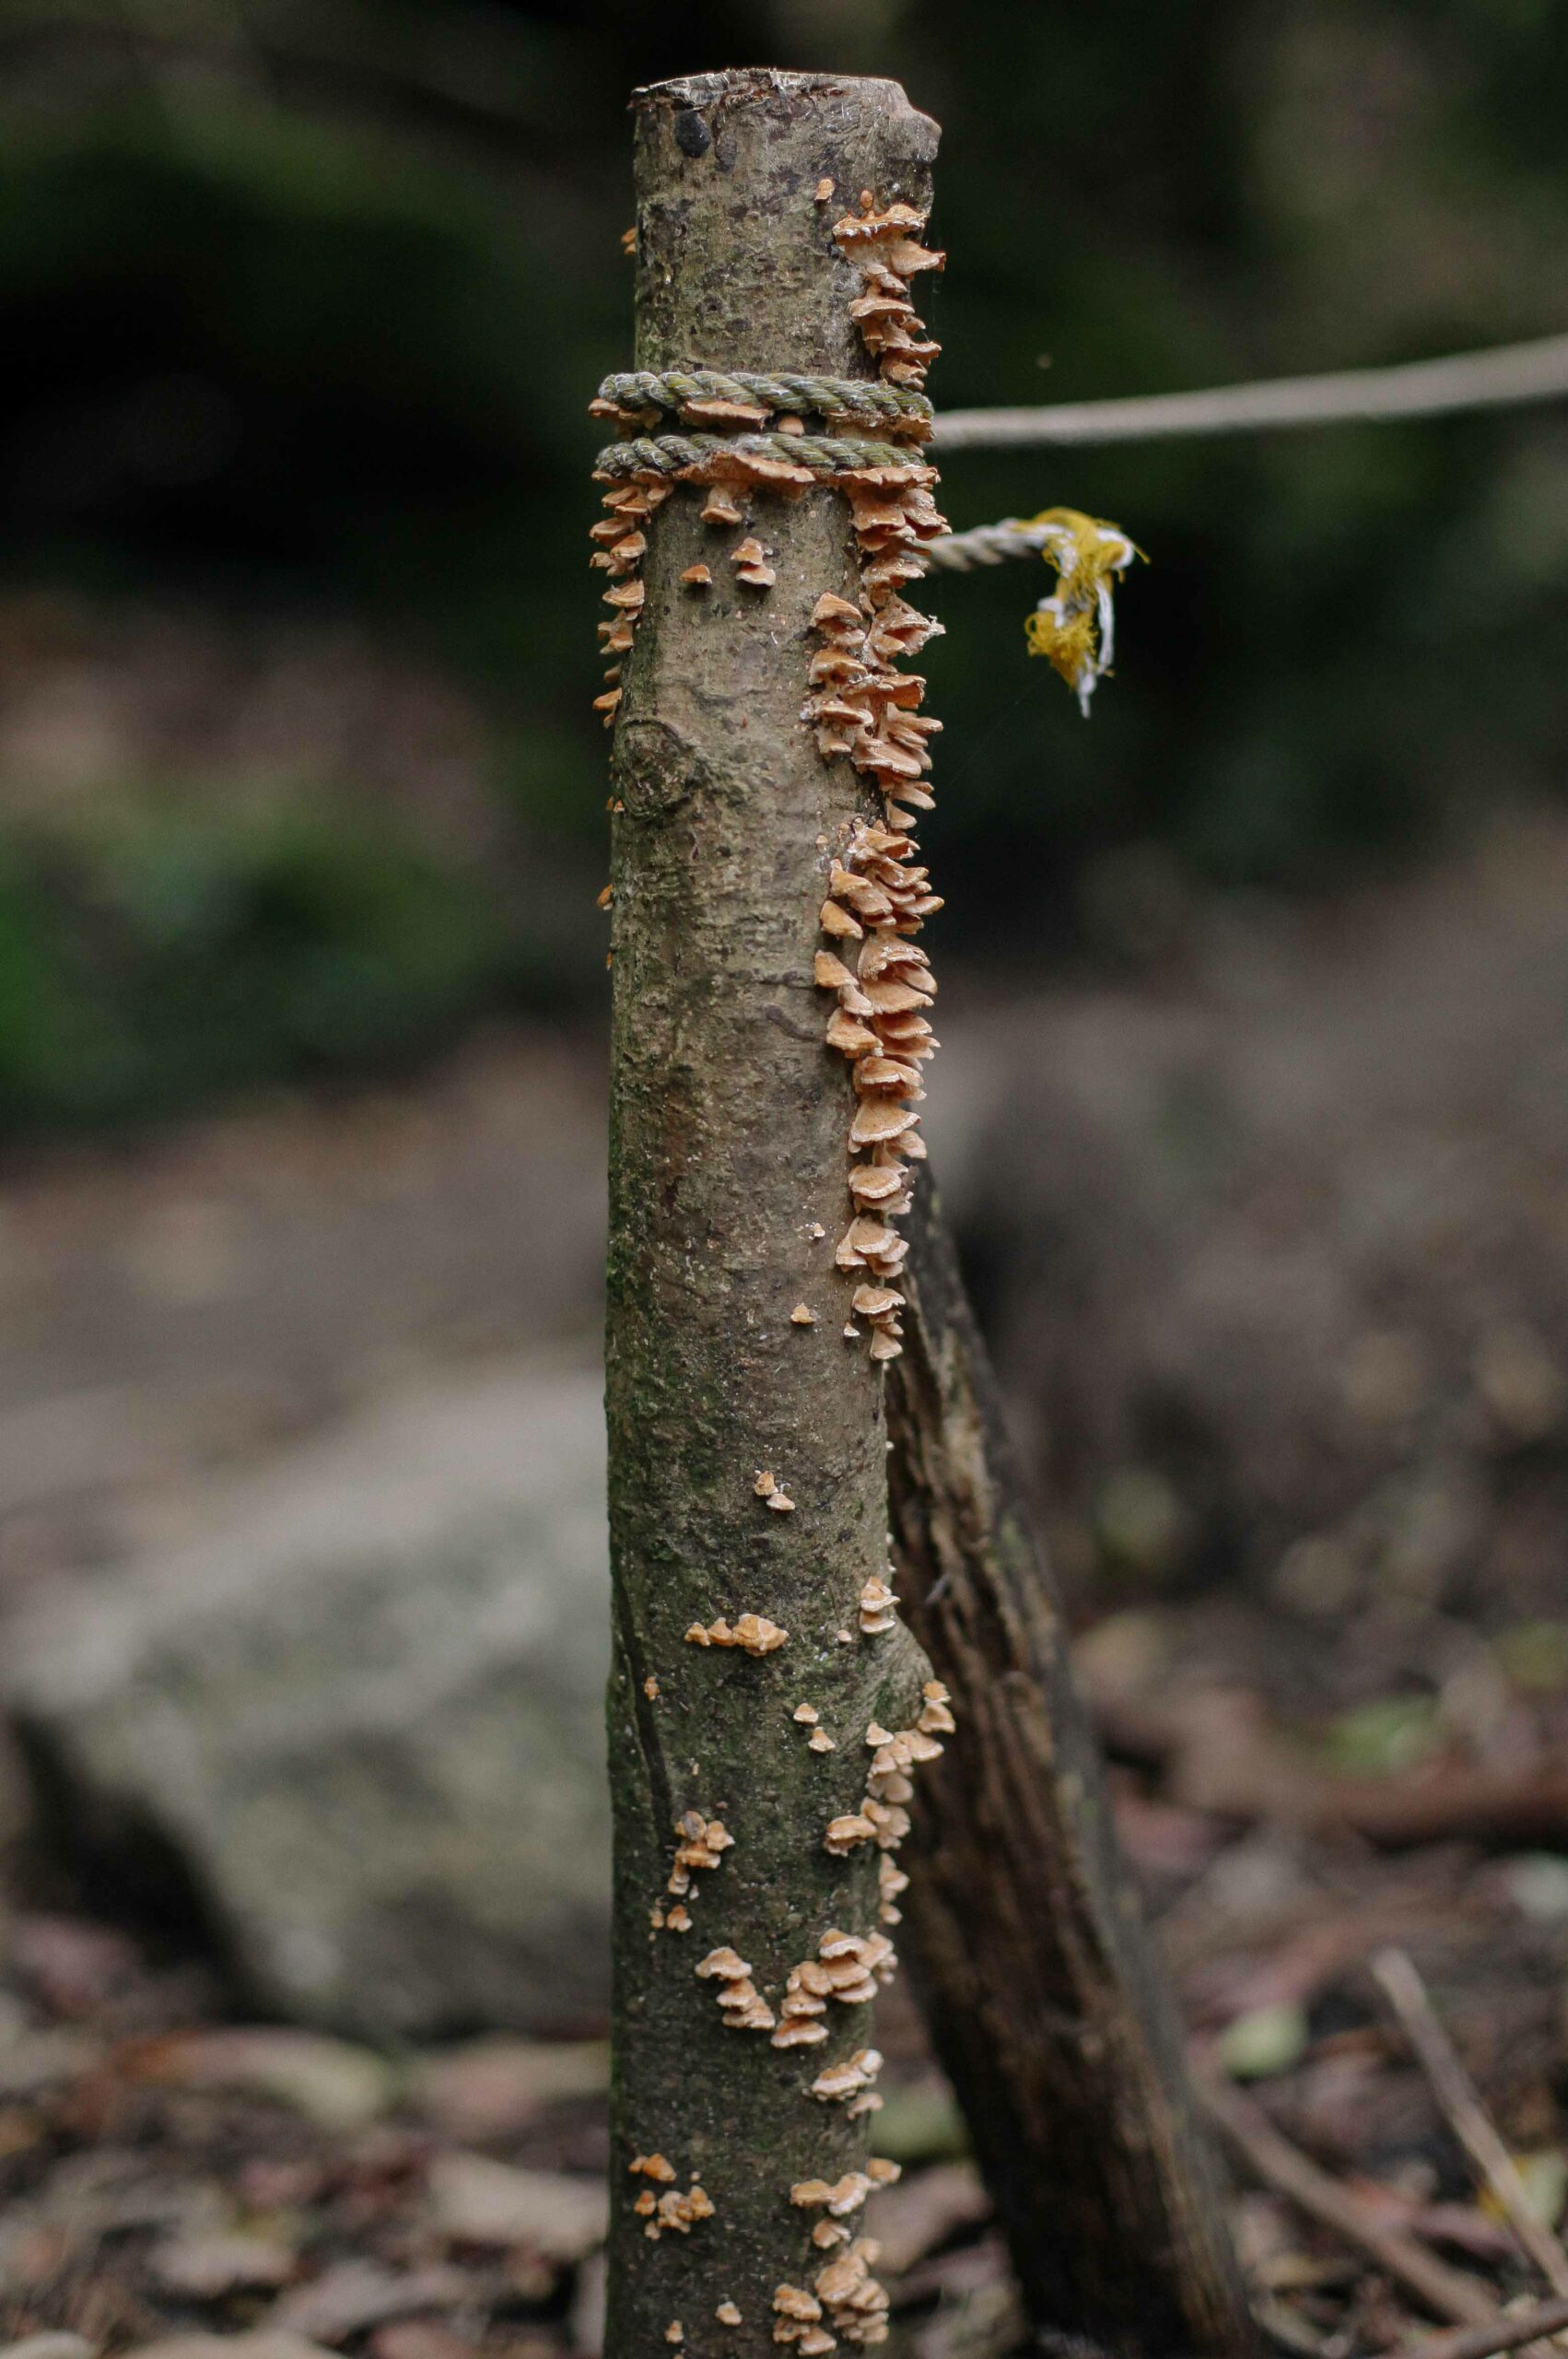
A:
[860,707]
[672,2209]
[701,1843]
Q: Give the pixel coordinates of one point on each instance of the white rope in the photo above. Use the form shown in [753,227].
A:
[984,544]
[1512,372]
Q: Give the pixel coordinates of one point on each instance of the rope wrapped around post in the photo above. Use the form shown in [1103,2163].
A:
[743,397]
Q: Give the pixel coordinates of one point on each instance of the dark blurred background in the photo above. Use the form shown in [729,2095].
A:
[302,304]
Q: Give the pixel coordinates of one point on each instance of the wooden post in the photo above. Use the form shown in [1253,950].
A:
[757,1653]
[727,1179]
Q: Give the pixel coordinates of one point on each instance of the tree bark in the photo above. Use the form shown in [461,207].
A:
[727,1172]
[1044,2002]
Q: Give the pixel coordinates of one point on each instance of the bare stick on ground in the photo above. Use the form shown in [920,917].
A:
[1045,2003]
[1446,2291]
[1257,1774]
[1466,2117]
[1510,2330]
[747,1449]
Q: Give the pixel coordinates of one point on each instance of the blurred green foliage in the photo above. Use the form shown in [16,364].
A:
[149,964]
[303,300]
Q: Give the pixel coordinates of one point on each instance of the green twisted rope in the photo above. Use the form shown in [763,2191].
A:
[667,454]
[893,406]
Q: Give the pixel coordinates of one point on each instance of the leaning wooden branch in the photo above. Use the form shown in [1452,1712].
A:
[1045,2001]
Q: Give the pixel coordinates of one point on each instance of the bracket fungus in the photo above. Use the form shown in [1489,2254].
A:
[846,2195]
[750,561]
[890,1882]
[837,2083]
[862,707]
[855,2305]
[753,1633]
[743,2006]
[881,1817]
[818,1741]
[700,1844]
[879,1605]
[672,2209]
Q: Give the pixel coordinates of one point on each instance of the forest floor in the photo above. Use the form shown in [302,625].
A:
[1351,1745]
[171,2172]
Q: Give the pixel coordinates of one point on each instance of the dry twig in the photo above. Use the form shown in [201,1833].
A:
[1508,2331]
[1217,1753]
[1446,2292]
[1465,2115]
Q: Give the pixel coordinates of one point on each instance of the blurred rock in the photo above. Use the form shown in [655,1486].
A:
[362,1711]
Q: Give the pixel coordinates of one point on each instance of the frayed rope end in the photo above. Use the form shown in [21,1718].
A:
[1074,628]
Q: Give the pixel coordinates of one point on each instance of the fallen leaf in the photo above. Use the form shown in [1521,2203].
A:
[483,2203]
[1264,2041]
[1545,2177]
[923,2211]
[262,2342]
[334,2083]
[1538,1886]
[491,2088]
[353,2294]
[1385,1734]
[418,2339]
[921,2124]
[42,2060]
[205,2266]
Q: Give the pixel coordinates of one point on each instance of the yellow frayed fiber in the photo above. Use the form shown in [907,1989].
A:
[1074,628]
